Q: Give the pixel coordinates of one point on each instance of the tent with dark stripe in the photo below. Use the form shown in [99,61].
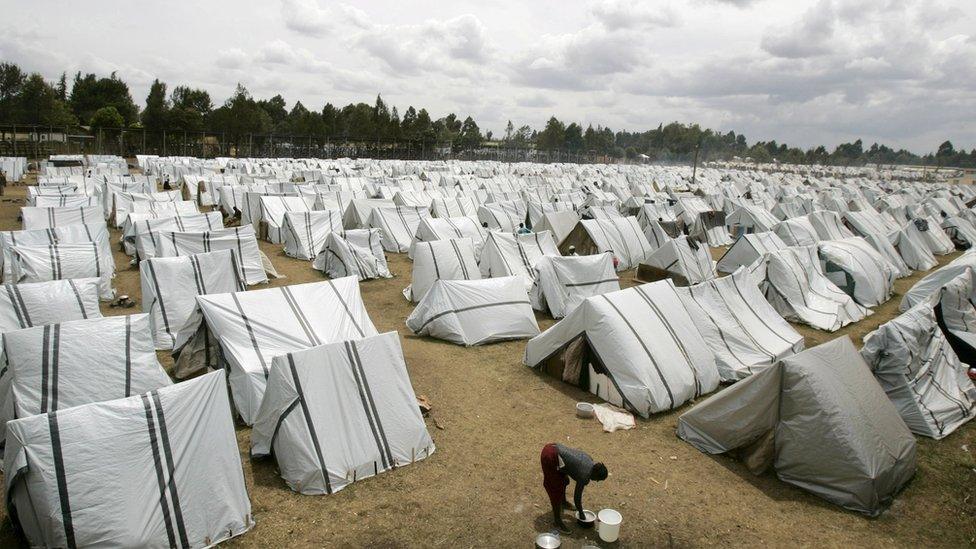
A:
[746,334]
[508,254]
[170,286]
[40,303]
[636,348]
[820,420]
[62,262]
[339,413]
[305,233]
[682,257]
[251,328]
[431,229]
[273,210]
[563,283]
[915,365]
[399,224]
[159,469]
[357,252]
[57,366]
[69,234]
[46,218]
[858,269]
[140,239]
[451,259]
[255,266]
[504,215]
[475,312]
[795,285]
[747,249]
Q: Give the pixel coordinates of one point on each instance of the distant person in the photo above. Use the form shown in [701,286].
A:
[522,229]
[571,251]
[561,463]
[3,181]
[484,224]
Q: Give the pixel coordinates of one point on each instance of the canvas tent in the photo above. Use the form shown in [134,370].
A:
[747,249]
[828,225]
[503,216]
[506,254]
[62,262]
[796,287]
[858,269]
[273,210]
[253,327]
[432,228]
[170,286]
[305,233]
[475,312]
[357,252]
[650,365]
[57,366]
[933,236]
[339,413]
[933,282]
[458,206]
[820,420]
[161,469]
[398,225]
[47,218]
[40,303]
[961,230]
[796,231]
[563,283]
[621,236]
[451,259]
[921,374]
[254,265]
[70,234]
[688,261]
[559,223]
[740,327]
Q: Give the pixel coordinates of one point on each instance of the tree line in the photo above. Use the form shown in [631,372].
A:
[106,103]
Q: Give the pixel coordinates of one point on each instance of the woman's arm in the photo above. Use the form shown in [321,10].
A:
[578,499]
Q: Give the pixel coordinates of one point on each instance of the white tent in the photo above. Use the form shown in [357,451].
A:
[241,239]
[933,236]
[57,366]
[507,254]
[305,233]
[96,233]
[747,218]
[740,327]
[685,258]
[47,218]
[933,282]
[458,206]
[359,210]
[144,232]
[503,216]
[961,230]
[253,327]
[398,224]
[913,249]
[642,350]
[563,283]
[828,225]
[820,420]
[339,413]
[858,269]
[357,252]
[475,312]
[273,210]
[955,308]
[432,228]
[123,203]
[161,469]
[170,286]
[796,287]
[451,259]
[797,231]
[559,223]
[62,262]
[747,249]
[920,373]
[621,236]
[883,246]
[40,303]
[657,235]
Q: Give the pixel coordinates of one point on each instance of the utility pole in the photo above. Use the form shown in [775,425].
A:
[694,170]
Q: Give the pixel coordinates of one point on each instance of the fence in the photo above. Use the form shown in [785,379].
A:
[38,142]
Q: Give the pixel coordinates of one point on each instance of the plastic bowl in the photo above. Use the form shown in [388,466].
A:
[584,410]
[589,521]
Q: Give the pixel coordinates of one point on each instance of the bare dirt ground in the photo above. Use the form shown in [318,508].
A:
[482,487]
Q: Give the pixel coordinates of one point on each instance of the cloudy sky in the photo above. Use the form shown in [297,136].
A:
[806,72]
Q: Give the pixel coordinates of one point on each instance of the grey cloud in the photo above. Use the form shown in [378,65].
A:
[631,14]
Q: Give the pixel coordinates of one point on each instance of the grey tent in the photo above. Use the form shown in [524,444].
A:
[820,419]
[339,413]
[160,469]
[921,373]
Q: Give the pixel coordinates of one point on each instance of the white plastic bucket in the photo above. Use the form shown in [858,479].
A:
[609,526]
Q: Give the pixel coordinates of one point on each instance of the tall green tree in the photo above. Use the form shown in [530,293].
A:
[90,93]
[155,117]
[553,136]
